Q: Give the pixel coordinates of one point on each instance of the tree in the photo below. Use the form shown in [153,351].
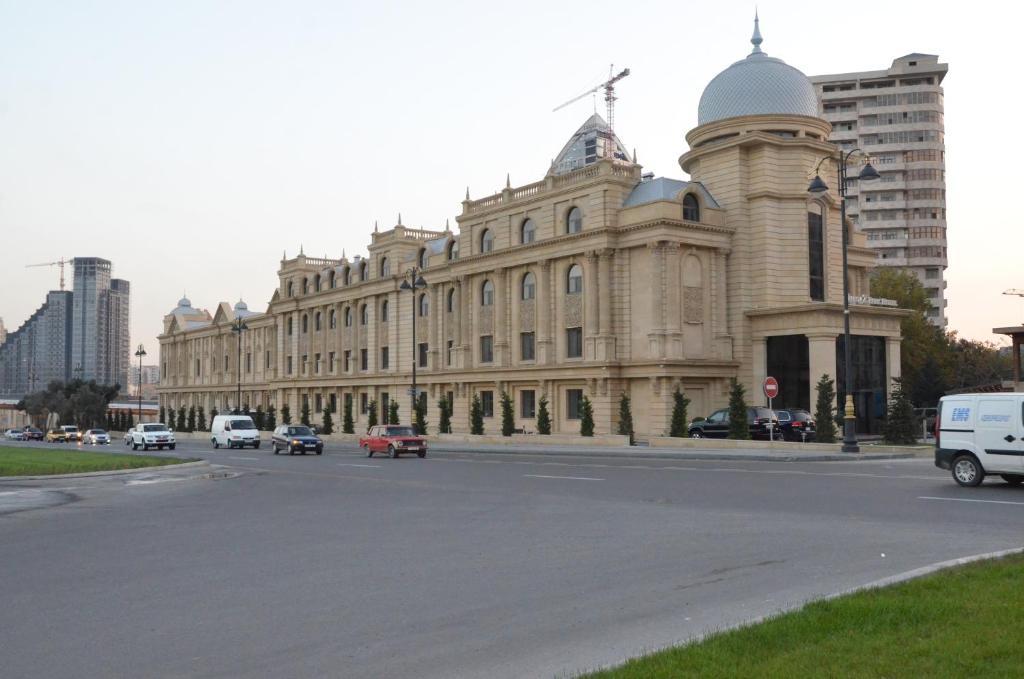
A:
[680,424]
[476,416]
[586,418]
[201,419]
[543,418]
[286,414]
[182,419]
[508,422]
[445,424]
[163,414]
[327,426]
[825,410]
[304,412]
[348,426]
[213,415]
[191,419]
[122,423]
[258,417]
[270,421]
[129,421]
[625,417]
[421,414]
[900,426]
[110,421]
[371,417]
[738,426]
[393,412]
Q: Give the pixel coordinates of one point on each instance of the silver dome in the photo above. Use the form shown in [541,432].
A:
[757,85]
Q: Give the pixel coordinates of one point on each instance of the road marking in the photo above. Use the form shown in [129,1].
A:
[964,499]
[571,478]
[371,466]
[236,457]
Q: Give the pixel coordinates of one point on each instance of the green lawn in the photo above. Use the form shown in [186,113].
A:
[37,461]
[963,622]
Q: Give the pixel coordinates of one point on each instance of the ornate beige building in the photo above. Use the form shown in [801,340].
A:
[596,280]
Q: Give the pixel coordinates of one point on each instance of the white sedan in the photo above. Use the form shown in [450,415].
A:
[14,435]
[96,437]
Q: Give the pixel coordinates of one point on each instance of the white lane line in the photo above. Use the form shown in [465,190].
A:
[964,499]
[236,457]
[571,478]
[370,466]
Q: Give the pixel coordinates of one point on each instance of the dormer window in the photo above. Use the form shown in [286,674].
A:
[527,232]
[424,258]
[486,241]
[691,208]
[453,250]
[574,221]
[385,267]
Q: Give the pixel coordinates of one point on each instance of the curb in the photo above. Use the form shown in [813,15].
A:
[111,472]
[643,453]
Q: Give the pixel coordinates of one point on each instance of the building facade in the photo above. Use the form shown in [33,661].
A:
[40,350]
[100,340]
[595,281]
[896,115]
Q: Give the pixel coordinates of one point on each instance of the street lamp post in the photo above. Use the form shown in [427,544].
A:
[238,327]
[818,187]
[140,352]
[413,281]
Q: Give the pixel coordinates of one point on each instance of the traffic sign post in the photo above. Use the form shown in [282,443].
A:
[771,390]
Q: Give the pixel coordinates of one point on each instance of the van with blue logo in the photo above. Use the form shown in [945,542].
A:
[981,434]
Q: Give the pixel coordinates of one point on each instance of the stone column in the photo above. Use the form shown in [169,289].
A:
[673,276]
[606,341]
[591,295]
[656,334]
[892,363]
[545,346]
[759,361]
[501,318]
[821,352]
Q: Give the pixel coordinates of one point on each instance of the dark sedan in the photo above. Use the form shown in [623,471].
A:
[296,439]
[33,434]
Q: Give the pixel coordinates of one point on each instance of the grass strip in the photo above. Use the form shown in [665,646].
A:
[44,461]
[961,622]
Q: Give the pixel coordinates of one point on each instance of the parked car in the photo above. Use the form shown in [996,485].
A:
[33,434]
[234,431]
[796,424]
[296,439]
[96,437]
[14,435]
[152,435]
[56,436]
[716,425]
[980,434]
[71,432]
[393,440]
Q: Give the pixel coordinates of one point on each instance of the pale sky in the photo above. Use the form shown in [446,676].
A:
[191,142]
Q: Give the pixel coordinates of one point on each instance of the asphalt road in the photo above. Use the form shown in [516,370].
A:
[458,565]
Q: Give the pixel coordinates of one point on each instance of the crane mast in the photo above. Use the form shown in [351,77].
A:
[609,93]
[60,262]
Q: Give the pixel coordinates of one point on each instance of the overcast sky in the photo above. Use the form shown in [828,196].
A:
[192,142]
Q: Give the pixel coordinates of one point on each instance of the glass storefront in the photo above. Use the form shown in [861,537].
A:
[868,363]
[789,363]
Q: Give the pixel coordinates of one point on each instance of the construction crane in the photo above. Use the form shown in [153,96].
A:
[1015,292]
[60,262]
[609,93]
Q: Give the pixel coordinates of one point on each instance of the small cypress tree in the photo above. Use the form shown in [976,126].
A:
[304,413]
[348,426]
[421,414]
[201,419]
[110,421]
[163,414]
[258,417]
[129,421]
[825,411]
[182,419]
[122,423]
[543,417]
[739,428]
[900,426]
[270,421]
[286,414]
[328,424]
[508,421]
[626,418]
[191,418]
[246,411]
[393,412]
[371,417]
[445,425]
[476,416]
[213,415]
[587,418]
[679,417]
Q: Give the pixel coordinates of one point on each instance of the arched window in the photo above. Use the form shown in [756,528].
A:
[332,320]
[453,250]
[316,282]
[348,317]
[305,323]
[487,294]
[384,311]
[527,232]
[363,271]
[529,286]
[424,258]
[451,300]
[574,280]
[346,276]
[364,315]
[291,289]
[385,267]
[333,279]
[290,326]
[486,241]
[574,221]
[424,305]
[691,208]
[305,286]
[316,321]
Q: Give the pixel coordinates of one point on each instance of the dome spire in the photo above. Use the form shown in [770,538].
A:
[756,39]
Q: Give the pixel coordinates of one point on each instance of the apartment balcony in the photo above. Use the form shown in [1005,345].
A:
[868,205]
[842,94]
[927,261]
[926,184]
[892,261]
[878,243]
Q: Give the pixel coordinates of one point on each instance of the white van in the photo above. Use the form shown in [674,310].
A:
[979,434]
[234,431]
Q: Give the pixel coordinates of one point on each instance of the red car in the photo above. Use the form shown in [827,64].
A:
[394,440]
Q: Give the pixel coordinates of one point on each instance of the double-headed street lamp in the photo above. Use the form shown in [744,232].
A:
[140,352]
[413,281]
[238,326]
[818,187]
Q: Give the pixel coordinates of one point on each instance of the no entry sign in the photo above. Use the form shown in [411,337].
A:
[771,387]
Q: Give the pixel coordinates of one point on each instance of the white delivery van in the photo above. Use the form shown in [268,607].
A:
[979,434]
[234,431]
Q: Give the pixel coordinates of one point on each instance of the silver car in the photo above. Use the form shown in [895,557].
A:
[96,437]
[14,435]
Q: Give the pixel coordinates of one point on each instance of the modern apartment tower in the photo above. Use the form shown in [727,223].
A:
[896,115]
[40,350]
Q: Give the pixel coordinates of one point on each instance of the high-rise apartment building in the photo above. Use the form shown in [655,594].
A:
[896,116]
[38,352]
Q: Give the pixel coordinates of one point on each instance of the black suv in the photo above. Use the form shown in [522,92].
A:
[716,425]
[796,424]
